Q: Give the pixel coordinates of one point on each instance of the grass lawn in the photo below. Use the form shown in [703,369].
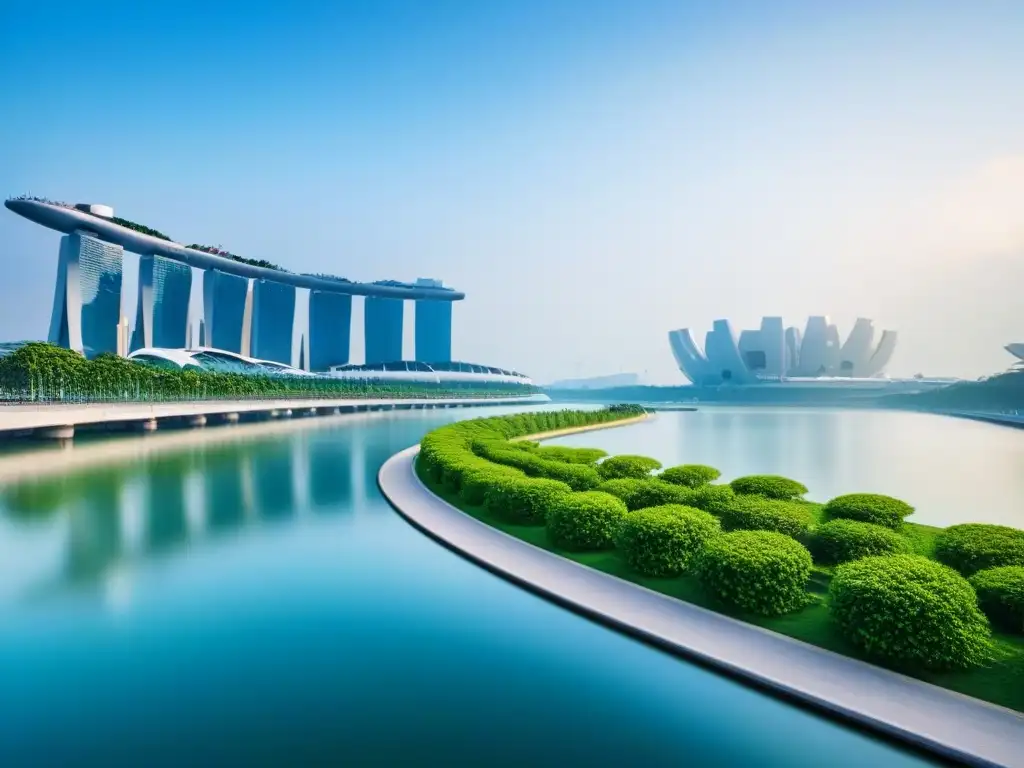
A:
[1002,682]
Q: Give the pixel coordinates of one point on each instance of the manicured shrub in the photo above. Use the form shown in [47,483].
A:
[769,486]
[838,541]
[869,508]
[585,521]
[579,477]
[454,450]
[526,501]
[755,513]
[474,483]
[690,475]
[757,571]
[662,541]
[1001,596]
[628,466]
[639,494]
[624,488]
[570,455]
[655,493]
[973,547]
[712,498]
[910,612]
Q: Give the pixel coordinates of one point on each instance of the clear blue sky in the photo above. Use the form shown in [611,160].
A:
[591,173]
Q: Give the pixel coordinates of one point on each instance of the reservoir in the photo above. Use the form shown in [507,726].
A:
[244,595]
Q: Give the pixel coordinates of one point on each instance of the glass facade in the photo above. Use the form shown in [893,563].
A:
[273,318]
[433,331]
[87,297]
[223,310]
[383,329]
[161,319]
[330,321]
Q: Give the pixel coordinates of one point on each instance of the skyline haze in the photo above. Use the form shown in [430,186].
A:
[589,174]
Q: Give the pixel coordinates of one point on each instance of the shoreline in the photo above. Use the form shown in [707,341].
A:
[924,716]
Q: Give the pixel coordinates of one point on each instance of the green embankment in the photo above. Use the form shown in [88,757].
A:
[1000,680]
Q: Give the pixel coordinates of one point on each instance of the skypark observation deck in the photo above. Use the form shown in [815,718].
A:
[68,220]
[247,309]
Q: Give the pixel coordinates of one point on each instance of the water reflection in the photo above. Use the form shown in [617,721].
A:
[173,500]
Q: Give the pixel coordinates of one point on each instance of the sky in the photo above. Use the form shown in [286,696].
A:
[591,173]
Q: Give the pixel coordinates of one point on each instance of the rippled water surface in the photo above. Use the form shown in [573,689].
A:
[244,595]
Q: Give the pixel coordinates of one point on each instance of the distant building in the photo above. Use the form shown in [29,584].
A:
[775,352]
[598,382]
[248,304]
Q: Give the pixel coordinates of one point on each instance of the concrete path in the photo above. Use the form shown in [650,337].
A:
[27,416]
[953,726]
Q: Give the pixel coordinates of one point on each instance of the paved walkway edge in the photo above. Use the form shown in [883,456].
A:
[936,720]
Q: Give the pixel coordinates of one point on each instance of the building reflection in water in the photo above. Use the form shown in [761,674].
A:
[95,530]
[225,499]
[272,473]
[166,522]
[166,502]
[330,459]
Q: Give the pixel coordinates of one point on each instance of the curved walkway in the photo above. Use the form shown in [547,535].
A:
[928,717]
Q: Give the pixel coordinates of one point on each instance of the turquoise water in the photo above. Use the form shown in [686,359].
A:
[951,470]
[244,595]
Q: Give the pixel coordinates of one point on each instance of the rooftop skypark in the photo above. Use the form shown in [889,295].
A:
[213,250]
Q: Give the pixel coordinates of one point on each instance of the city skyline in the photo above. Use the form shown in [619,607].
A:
[632,169]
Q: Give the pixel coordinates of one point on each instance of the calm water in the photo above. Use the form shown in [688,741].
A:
[950,470]
[244,595]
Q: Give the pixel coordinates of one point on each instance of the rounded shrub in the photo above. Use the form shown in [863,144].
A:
[476,482]
[973,547]
[755,513]
[570,455]
[712,498]
[655,493]
[690,475]
[757,571]
[1001,596]
[623,487]
[526,501]
[585,521]
[769,486]
[839,541]
[909,611]
[663,541]
[579,477]
[869,508]
[628,466]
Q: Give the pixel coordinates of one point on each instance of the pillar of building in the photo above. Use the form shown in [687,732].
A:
[224,298]
[273,318]
[383,329]
[161,317]
[330,320]
[87,295]
[433,331]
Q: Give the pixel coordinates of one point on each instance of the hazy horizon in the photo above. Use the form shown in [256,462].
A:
[591,174]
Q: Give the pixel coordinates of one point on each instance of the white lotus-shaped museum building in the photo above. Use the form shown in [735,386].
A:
[775,352]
